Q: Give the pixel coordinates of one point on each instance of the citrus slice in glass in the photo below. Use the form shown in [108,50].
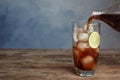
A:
[94,39]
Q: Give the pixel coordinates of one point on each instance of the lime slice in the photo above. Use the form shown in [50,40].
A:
[94,39]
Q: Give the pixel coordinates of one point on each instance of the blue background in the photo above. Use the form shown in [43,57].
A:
[48,23]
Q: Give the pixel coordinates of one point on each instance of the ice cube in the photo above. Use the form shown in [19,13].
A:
[87,59]
[75,37]
[85,27]
[75,32]
[91,28]
[83,36]
[88,63]
[83,45]
[80,30]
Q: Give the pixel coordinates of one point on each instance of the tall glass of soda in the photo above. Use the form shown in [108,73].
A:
[86,43]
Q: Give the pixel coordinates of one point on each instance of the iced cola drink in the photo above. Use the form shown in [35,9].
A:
[86,43]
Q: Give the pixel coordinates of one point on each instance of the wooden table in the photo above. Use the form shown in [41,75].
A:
[56,64]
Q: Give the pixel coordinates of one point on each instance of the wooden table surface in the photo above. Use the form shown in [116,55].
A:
[56,64]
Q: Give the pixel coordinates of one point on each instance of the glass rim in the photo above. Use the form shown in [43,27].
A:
[84,22]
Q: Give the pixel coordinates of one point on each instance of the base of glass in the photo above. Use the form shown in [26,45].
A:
[84,73]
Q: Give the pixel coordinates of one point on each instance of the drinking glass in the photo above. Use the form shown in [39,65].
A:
[86,43]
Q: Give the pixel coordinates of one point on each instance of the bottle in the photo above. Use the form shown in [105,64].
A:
[110,16]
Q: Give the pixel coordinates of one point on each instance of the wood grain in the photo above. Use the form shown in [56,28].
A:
[56,64]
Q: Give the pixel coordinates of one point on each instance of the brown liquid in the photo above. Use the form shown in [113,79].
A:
[85,59]
[113,20]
